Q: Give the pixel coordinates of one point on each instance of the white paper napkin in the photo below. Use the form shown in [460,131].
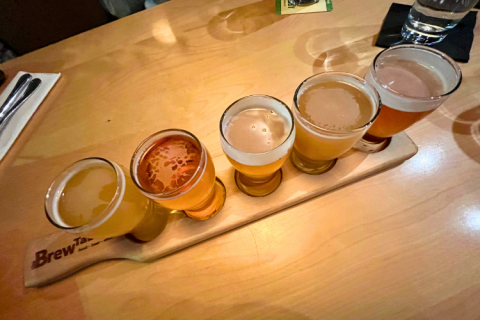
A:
[24,113]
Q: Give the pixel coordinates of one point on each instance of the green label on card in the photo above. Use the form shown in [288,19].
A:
[292,7]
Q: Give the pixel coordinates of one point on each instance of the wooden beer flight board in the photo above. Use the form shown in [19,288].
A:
[60,254]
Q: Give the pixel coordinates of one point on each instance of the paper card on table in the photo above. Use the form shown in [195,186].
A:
[21,117]
[288,7]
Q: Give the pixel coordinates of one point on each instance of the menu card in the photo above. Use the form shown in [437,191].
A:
[289,6]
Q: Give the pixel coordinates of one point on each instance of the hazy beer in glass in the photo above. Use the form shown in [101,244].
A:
[412,81]
[332,111]
[173,168]
[257,134]
[95,198]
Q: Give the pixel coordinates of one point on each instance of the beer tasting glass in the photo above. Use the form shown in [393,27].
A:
[173,168]
[332,112]
[94,197]
[257,134]
[412,81]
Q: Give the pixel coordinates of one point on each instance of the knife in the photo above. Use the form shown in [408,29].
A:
[17,90]
[32,86]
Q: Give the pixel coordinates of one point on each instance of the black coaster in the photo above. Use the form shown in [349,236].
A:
[2,77]
[457,43]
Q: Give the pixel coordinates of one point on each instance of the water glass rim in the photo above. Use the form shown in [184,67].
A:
[292,129]
[440,54]
[344,74]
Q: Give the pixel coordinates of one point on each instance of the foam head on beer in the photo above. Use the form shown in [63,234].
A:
[86,194]
[173,168]
[257,130]
[257,134]
[332,112]
[335,105]
[168,164]
[412,82]
[411,78]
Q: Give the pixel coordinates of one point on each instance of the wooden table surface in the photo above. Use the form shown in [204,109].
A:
[404,244]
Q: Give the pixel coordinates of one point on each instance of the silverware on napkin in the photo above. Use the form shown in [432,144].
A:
[23,90]
[17,90]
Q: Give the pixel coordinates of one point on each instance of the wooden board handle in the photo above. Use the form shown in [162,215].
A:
[60,254]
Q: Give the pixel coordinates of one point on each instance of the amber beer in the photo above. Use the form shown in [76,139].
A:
[95,198]
[257,135]
[412,82]
[173,168]
[332,112]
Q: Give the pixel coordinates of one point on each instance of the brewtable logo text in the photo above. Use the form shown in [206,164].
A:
[43,257]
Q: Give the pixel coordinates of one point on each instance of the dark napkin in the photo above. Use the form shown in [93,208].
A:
[457,43]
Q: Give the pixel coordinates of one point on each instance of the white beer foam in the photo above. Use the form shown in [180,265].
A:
[440,66]
[332,135]
[346,78]
[258,159]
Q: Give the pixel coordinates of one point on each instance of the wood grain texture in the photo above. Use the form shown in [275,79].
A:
[179,232]
[404,244]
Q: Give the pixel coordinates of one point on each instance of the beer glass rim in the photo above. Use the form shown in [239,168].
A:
[345,74]
[173,193]
[106,213]
[440,54]
[292,129]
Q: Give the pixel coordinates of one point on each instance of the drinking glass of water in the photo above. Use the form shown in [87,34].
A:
[429,21]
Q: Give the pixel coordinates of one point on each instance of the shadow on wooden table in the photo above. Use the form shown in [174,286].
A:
[242,21]
[290,172]
[457,107]
[466,132]
[349,51]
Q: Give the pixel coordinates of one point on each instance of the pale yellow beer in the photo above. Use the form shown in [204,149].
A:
[95,198]
[412,81]
[259,171]
[332,112]
[257,134]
